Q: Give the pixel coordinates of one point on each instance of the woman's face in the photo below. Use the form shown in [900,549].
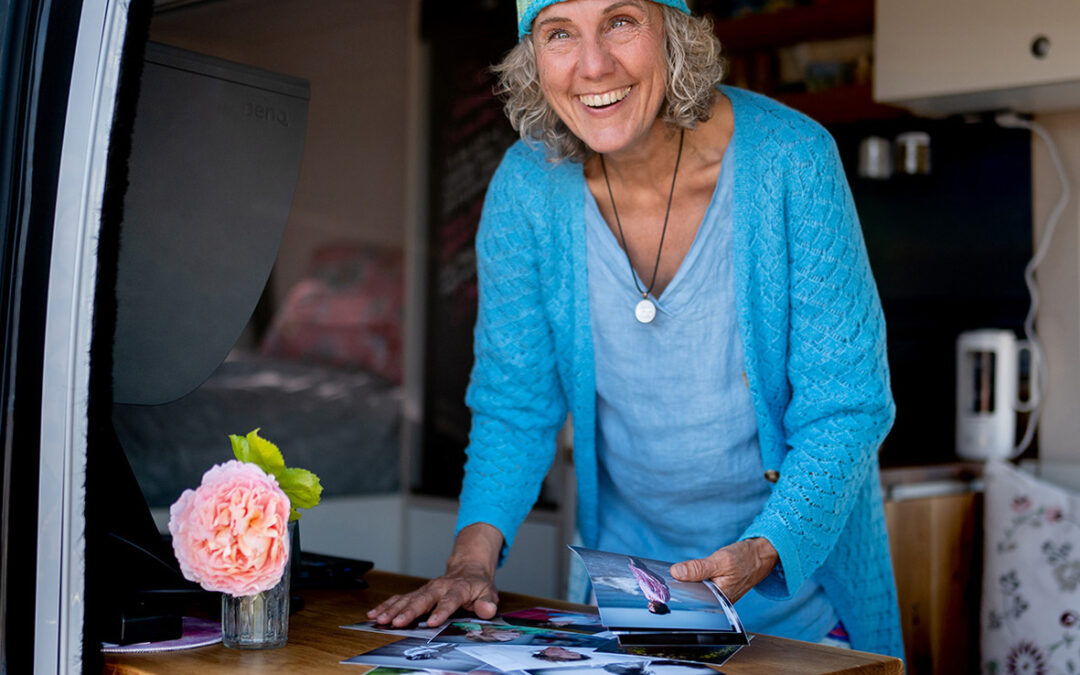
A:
[602,68]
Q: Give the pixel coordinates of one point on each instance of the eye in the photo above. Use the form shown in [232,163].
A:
[621,22]
[558,34]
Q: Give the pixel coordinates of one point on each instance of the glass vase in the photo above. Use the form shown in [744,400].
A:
[260,621]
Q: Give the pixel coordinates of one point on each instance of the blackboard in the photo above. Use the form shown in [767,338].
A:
[469,134]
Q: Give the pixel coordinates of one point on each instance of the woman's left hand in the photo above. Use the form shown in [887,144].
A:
[735,569]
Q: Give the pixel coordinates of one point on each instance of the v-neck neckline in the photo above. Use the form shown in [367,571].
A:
[662,301]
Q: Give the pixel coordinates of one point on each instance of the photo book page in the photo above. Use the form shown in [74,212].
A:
[643,605]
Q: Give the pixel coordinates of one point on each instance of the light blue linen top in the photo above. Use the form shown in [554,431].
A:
[680,470]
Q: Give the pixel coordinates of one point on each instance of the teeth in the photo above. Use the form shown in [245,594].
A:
[607,98]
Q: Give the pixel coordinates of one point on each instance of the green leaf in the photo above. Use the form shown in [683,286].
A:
[301,486]
[240,448]
[264,454]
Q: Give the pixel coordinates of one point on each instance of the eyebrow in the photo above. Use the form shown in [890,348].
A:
[610,8]
[615,5]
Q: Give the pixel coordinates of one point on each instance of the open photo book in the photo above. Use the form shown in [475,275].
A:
[644,606]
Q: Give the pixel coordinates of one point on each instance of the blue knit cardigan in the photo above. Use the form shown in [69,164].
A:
[813,334]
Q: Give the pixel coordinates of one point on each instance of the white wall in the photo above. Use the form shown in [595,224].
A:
[361,528]
[533,566]
[356,54]
[1059,284]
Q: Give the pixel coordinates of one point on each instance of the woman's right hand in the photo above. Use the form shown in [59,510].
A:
[469,583]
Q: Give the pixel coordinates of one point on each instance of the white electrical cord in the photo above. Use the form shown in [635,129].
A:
[1038,363]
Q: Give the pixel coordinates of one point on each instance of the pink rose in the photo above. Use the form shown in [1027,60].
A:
[231,533]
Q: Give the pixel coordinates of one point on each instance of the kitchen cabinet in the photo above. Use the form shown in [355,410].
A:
[941,57]
[936,545]
[751,44]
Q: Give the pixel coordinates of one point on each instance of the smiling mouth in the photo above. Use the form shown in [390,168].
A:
[606,99]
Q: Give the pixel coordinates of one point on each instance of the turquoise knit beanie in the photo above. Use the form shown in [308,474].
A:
[528,9]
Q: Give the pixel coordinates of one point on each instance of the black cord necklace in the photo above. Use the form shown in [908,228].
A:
[645,310]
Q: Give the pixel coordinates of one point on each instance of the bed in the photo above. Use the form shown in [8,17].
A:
[323,384]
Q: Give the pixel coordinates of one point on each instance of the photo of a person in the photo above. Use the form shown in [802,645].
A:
[652,586]
[515,658]
[559,655]
[490,632]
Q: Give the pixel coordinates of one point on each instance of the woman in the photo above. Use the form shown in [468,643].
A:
[679,265]
[652,586]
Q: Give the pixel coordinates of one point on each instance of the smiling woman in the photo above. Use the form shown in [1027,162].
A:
[602,72]
[679,266]
[693,67]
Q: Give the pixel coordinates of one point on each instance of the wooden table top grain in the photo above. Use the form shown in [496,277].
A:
[317,644]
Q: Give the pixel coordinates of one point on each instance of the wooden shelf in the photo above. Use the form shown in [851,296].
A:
[841,105]
[750,37]
[825,20]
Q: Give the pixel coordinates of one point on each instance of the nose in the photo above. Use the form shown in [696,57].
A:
[596,60]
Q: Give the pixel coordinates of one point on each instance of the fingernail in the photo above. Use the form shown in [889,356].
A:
[678,570]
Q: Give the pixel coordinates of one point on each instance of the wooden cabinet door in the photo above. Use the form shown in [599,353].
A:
[936,545]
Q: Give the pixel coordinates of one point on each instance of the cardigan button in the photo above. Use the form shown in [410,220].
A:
[772,475]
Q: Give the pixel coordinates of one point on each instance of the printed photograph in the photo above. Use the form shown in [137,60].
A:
[640,594]
[414,653]
[658,667]
[388,670]
[692,656]
[415,630]
[528,657]
[487,632]
[556,619]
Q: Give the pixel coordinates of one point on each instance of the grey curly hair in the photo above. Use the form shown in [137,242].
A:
[694,68]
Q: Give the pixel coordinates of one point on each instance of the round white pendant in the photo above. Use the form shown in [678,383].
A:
[645,311]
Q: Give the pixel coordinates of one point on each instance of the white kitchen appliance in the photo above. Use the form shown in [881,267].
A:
[987,393]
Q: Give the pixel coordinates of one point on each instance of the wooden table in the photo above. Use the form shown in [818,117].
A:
[317,644]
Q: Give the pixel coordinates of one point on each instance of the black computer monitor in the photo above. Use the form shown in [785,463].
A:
[215,154]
